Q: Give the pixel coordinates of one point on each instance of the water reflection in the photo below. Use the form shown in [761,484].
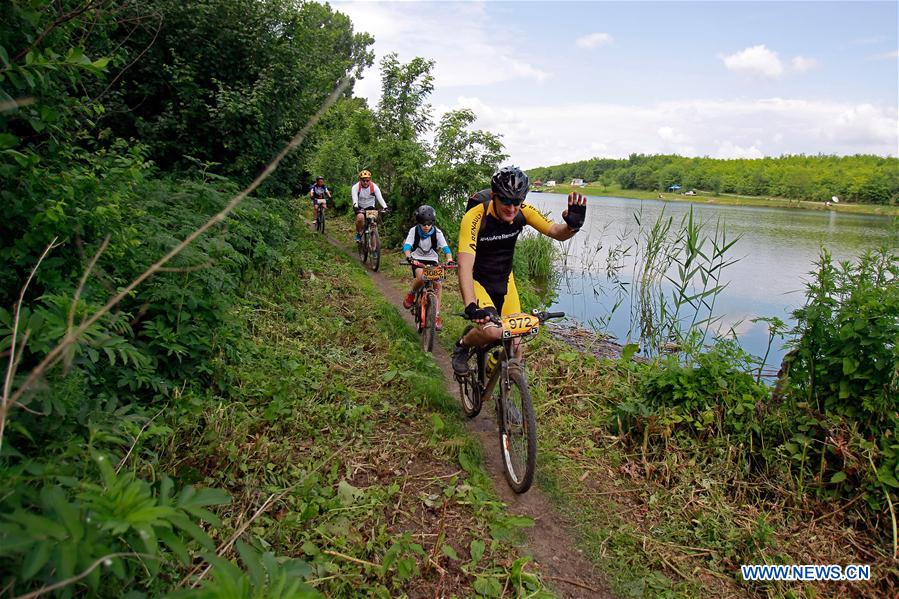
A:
[777,249]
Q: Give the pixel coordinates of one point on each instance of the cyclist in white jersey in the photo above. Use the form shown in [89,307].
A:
[365,193]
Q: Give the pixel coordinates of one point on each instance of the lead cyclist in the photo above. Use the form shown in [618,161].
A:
[487,238]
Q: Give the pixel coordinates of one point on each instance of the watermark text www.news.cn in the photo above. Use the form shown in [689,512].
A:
[806,572]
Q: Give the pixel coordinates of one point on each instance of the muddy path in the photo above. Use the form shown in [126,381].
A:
[550,542]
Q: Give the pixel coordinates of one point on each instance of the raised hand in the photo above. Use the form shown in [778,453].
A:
[577,210]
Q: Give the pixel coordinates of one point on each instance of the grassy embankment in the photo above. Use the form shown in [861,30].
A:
[348,426]
[667,514]
[727,199]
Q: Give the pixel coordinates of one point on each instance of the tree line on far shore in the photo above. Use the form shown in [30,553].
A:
[861,178]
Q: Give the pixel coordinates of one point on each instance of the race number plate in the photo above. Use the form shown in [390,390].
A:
[371,214]
[433,273]
[321,201]
[515,325]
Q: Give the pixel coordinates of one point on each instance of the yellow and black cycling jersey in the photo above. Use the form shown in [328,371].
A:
[492,243]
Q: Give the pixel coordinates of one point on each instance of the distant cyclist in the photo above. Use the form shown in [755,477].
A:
[318,191]
[422,243]
[365,193]
[487,238]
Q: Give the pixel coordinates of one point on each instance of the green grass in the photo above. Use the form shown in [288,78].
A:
[336,412]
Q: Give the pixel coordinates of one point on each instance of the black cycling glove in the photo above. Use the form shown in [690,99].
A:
[472,312]
[575,216]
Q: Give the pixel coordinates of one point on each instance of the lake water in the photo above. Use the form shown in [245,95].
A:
[777,251]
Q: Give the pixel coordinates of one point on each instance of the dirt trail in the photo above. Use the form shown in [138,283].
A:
[550,543]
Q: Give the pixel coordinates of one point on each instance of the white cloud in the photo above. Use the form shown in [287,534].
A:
[868,41]
[466,46]
[757,60]
[858,124]
[885,56]
[728,149]
[741,128]
[802,64]
[594,40]
[671,134]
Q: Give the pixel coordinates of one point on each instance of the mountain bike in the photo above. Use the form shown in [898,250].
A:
[424,308]
[495,363]
[370,243]
[320,205]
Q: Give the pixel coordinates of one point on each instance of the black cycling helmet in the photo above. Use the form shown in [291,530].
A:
[510,182]
[425,215]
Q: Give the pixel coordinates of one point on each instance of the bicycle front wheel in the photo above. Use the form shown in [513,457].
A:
[375,250]
[363,247]
[469,389]
[321,222]
[518,433]
[429,325]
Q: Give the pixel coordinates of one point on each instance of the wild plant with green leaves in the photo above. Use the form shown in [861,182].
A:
[677,272]
[843,369]
[845,357]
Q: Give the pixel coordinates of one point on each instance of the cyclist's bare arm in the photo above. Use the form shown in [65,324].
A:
[466,277]
[561,232]
[468,245]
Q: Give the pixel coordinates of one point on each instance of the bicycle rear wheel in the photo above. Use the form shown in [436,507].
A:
[518,433]
[429,324]
[375,250]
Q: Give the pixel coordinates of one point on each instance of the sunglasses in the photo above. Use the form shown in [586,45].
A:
[365,180]
[509,201]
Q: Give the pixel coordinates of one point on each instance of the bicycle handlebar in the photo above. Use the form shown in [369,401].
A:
[542,316]
[491,318]
[417,264]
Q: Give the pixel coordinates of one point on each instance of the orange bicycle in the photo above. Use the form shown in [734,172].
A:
[424,308]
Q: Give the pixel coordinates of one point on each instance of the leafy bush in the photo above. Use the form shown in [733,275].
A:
[124,524]
[845,357]
[713,392]
[844,369]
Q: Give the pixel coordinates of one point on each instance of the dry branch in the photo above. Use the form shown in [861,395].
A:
[13,360]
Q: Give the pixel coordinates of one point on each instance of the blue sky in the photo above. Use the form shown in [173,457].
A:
[566,81]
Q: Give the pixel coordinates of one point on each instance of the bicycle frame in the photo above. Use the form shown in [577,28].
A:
[320,205]
[369,224]
[426,296]
[502,370]
[369,251]
[429,288]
